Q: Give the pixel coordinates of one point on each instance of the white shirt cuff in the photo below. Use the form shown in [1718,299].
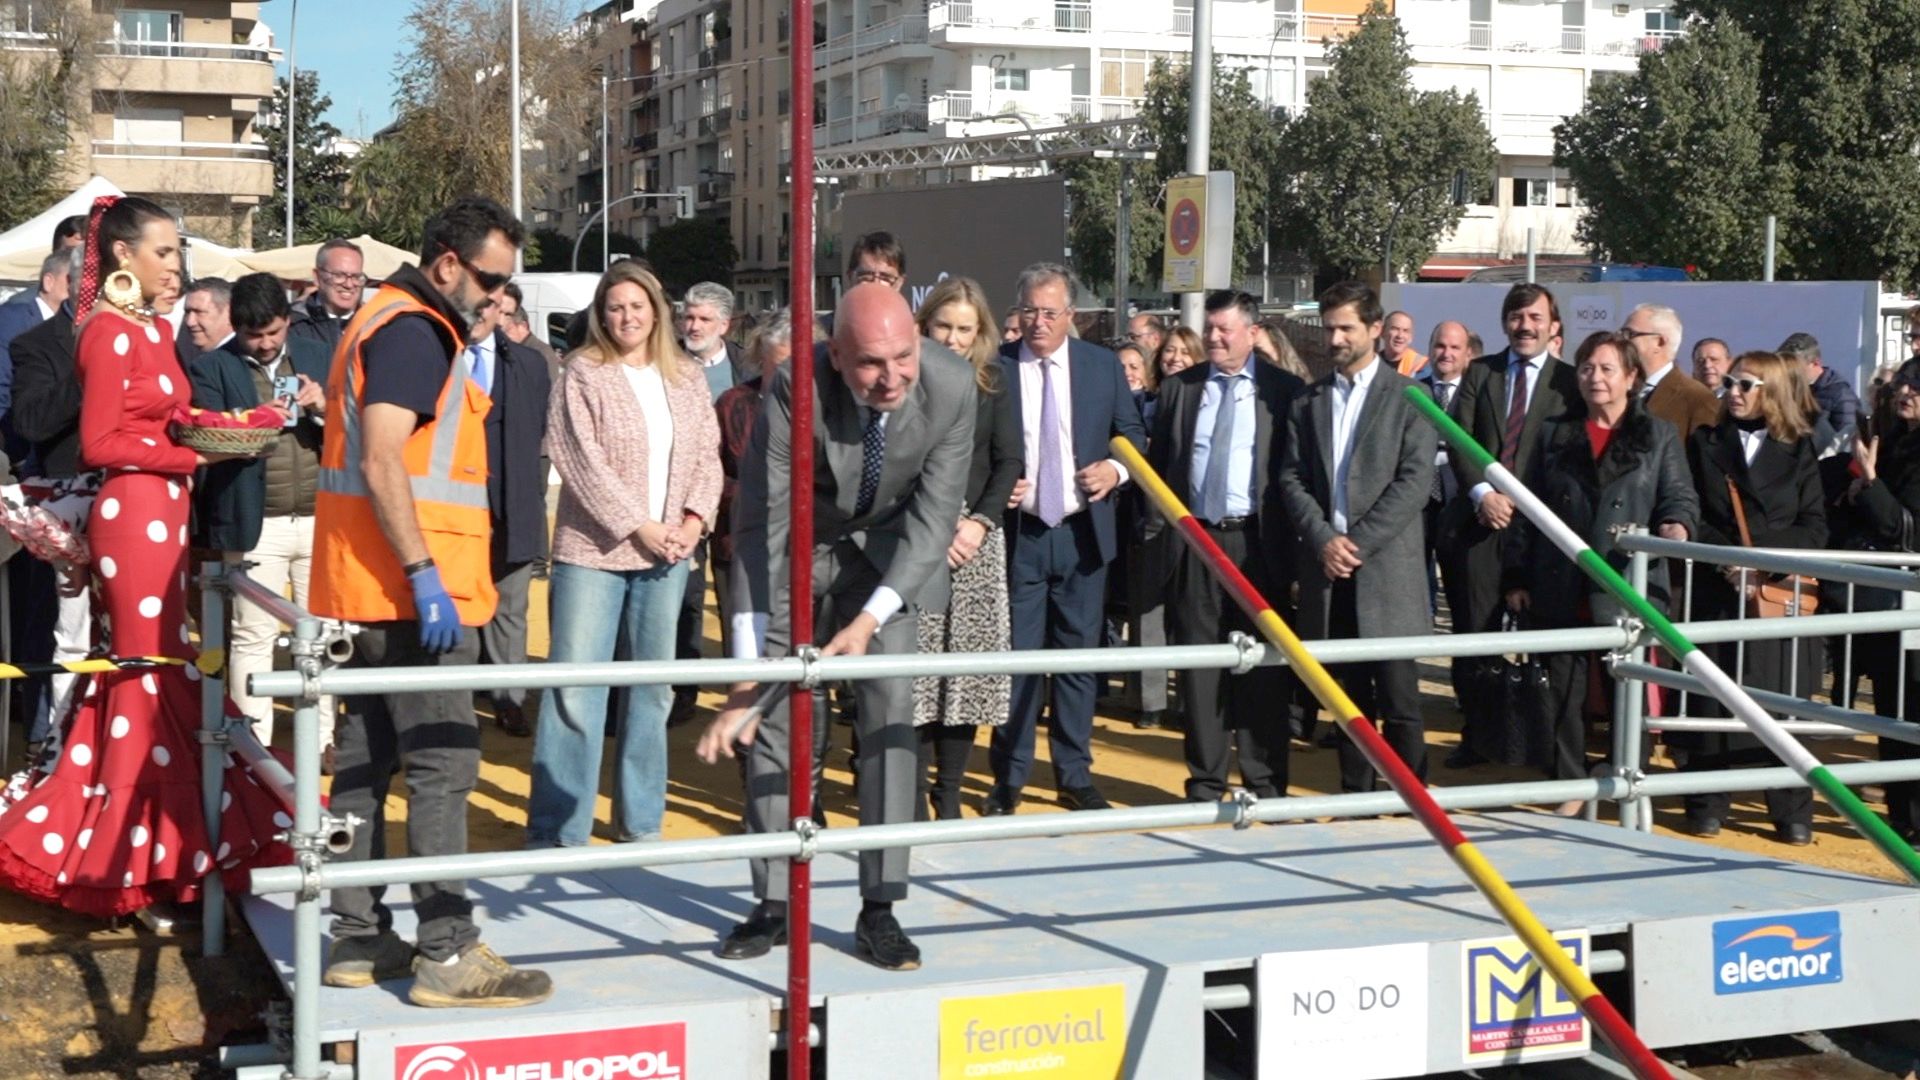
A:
[749,635]
[884,604]
[1479,492]
[1121,469]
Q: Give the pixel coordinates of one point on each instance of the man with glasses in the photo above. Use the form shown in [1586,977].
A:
[877,258]
[1148,333]
[402,545]
[1072,397]
[1668,393]
[338,270]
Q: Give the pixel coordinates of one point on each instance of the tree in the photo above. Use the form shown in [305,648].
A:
[1370,172]
[450,136]
[320,171]
[688,251]
[1836,82]
[46,90]
[1672,162]
[1241,141]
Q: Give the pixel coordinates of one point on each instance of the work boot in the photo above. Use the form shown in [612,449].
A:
[878,939]
[363,961]
[476,979]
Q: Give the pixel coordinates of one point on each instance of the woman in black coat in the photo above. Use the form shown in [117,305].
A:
[1886,505]
[1606,463]
[1760,449]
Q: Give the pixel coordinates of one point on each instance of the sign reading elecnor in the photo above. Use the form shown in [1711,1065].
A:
[1078,1034]
[1515,1011]
[1343,1014]
[653,1052]
[1776,952]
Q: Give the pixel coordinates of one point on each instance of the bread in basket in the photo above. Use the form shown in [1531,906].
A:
[242,432]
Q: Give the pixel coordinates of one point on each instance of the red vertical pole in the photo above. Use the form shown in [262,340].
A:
[800,562]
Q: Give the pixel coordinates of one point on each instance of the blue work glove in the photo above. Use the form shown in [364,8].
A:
[439,621]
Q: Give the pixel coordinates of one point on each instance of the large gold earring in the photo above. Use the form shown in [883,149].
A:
[122,290]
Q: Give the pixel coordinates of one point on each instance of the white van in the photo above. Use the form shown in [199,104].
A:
[553,299]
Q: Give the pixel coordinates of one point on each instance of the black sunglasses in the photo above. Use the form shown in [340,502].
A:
[490,283]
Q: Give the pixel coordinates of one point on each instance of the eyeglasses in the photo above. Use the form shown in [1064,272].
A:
[864,276]
[1042,314]
[488,282]
[1641,333]
[343,278]
[1744,383]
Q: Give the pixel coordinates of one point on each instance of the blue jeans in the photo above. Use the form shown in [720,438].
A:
[587,610]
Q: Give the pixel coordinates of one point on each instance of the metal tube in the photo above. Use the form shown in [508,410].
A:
[265,767]
[799,1003]
[401,871]
[1632,712]
[274,604]
[606,129]
[213,754]
[513,127]
[1122,251]
[1843,721]
[344,681]
[1766,257]
[1199,130]
[307,840]
[1718,724]
[1533,260]
[1773,562]
[293,88]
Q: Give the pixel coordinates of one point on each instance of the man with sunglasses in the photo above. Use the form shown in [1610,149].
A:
[402,546]
[340,274]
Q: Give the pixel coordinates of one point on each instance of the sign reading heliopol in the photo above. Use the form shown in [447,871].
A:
[653,1052]
[1776,951]
[1078,1034]
[1344,1014]
[1515,1011]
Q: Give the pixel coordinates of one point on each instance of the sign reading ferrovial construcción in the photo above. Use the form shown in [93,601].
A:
[1077,1034]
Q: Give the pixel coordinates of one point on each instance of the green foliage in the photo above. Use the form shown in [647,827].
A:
[1241,141]
[687,251]
[1672,161]
[1831,84]
[1372,165]
[320,172]
[45,96]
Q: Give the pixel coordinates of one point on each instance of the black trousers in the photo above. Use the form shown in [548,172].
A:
[690,632]
[944,750]
[1387,692]
[1242,715]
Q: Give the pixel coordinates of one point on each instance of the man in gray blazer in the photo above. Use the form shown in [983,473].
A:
[1355,479]
[893,419]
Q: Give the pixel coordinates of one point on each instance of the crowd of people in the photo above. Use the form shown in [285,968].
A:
[966,500]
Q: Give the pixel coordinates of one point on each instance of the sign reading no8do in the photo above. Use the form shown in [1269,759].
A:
[1343,1014]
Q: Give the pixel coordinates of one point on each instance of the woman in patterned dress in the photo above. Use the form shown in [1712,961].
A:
[117,824]
[946,711]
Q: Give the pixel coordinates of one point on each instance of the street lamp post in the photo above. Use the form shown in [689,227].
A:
[513,135]
[293,87]
[604,207]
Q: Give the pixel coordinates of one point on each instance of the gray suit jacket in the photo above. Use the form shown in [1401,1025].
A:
[1388,483]
[902,541]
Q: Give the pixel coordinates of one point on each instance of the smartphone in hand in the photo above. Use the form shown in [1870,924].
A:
[285,388]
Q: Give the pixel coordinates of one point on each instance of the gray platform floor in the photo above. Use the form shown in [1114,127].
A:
[1016,909]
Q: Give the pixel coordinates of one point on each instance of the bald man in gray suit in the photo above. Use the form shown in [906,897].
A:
[893,419]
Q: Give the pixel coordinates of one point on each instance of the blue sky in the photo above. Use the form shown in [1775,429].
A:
[351,43]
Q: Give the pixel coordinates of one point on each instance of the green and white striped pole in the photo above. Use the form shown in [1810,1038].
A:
[1692,660]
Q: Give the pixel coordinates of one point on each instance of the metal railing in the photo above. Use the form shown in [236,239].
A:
[207,151]
[315,646]
[902,30]
[185,50]
[1067,16]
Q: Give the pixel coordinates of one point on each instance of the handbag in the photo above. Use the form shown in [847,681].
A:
[1516,706]
[1795,594]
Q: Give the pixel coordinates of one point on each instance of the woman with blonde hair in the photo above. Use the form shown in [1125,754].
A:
[946,711]
[1757,466]
[1182,349]
[632,433]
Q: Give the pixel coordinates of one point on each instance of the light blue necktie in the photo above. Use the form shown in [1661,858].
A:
[1213,483]
[480,373]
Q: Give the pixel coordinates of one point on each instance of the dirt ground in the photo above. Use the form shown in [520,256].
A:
[83,999]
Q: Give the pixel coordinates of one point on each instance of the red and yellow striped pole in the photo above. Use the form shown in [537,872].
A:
[1606,1020]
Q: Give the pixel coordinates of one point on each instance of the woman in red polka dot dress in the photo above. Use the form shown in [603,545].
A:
[117,825]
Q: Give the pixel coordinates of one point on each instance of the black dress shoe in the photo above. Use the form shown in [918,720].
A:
[1148,721]
[878,939]
[755,937]
[1705,828]
[998,803]
[1462,758]
[1795,834]
[1084,798]
[1330,738]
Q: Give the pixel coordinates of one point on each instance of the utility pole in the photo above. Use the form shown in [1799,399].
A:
[1122,256]
[513,131]
[606,128]
[1199,130]
[293,85]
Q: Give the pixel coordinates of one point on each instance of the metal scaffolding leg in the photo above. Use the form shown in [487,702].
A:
[213,753]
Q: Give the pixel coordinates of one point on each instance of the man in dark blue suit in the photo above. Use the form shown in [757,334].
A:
[24,311]
[1072,398]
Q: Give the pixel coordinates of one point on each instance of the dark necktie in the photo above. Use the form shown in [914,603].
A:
[1442,394]
[1516,418]
[873,453]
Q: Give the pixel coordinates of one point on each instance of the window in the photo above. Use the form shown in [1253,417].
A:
[150,25]
[1010,78]
[1532,191]
[1563,195]
[148,127]
[1472,190]
[1123,72]
[1662,21]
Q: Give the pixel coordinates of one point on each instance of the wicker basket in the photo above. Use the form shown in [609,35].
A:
[245,442]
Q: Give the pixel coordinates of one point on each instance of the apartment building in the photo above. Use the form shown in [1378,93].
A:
[763,152]
[177,89]
[610,163]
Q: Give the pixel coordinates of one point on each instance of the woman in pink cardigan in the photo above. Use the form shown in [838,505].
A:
[632,432]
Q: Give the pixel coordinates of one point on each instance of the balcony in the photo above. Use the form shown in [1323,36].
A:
[905,30]
[718,53]
[1062,16]
[1312,28]
[712,191]
[717,122]
[873,125]
[643,142]
[186,168]
[1482,36]
[171,67]
[1038,109]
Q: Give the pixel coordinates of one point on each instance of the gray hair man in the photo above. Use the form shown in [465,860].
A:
[704,318]
[340,279]
[1669,393]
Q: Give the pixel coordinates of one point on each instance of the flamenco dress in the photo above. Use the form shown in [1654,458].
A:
[117,823]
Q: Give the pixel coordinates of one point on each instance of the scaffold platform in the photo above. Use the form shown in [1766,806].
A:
[1354,943]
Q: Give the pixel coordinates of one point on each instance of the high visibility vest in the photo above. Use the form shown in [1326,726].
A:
[356,574]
